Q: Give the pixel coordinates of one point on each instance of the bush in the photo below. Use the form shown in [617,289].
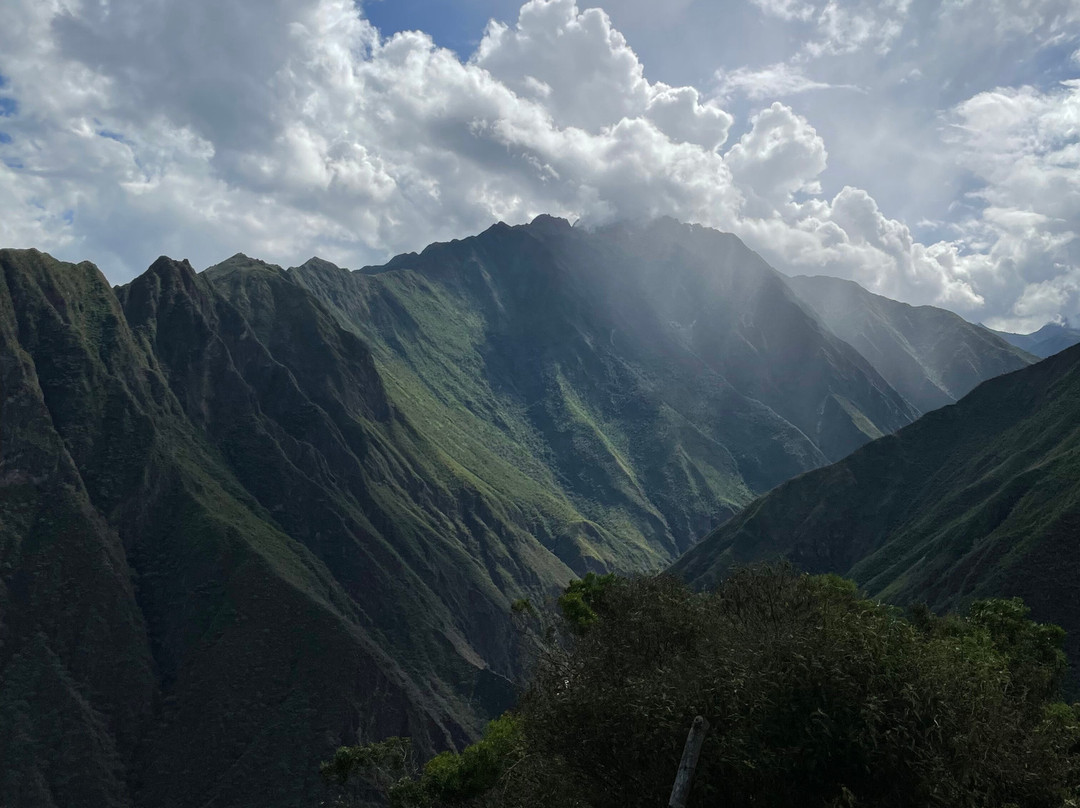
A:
[816,696]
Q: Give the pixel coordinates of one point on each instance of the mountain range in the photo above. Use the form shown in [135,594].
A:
[249,514]
[1052,338]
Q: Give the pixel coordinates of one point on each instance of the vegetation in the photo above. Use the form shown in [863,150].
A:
[816,696]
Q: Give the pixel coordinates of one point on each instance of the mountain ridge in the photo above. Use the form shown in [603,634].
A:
[931,356]
[1052,338]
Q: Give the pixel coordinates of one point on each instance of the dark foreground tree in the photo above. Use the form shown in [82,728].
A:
[815,695]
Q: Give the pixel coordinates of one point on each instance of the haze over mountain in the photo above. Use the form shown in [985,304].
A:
[931,356]
[973,500]
[250,514]
[1052,338]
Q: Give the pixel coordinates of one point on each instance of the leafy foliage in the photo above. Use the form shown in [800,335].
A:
[369,769]
[976,500]
[450,778]
[816,696]
[579,602]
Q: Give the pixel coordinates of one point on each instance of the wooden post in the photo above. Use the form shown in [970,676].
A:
[681,790]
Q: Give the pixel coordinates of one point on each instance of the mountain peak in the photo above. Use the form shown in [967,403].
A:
[1052,338]
[166,264]
[322,264]
[240,261]
[548,222]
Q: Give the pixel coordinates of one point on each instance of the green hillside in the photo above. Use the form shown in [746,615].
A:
[653,379]
[976,499]
[164,637]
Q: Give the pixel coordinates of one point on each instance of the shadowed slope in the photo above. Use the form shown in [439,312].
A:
[178,627]
[248,515]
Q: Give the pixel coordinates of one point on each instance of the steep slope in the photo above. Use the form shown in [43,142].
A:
[1047,341]
[76,674]
[652,378]
[201,591]
[975,499]
[932,357]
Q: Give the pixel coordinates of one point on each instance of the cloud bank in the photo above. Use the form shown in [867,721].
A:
[293,127]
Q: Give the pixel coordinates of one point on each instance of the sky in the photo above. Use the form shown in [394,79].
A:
[928,150]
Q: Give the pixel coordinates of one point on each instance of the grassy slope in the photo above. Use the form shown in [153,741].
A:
[975,499]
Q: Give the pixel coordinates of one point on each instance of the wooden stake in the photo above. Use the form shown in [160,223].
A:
[681,790]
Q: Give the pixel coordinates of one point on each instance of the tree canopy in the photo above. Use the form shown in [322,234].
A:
[816,696]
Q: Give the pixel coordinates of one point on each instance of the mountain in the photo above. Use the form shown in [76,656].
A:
[1052,338]
[981,498]
[251,514]
[207,576]
[932,357]
[652,379]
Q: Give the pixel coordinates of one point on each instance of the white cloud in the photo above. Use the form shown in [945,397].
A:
[301,131]
[592,76]
[293,128]
[774,81]
[1014,17]
[787,9]
[842,27]
[849,27]
[779,156]
[1022,146]
[587,76]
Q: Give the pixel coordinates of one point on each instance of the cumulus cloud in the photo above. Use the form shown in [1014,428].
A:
[587,76]
[294,127]
[300,129]
[1022,146]
[779,156]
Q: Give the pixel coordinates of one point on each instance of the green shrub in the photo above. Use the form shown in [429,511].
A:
[815,695]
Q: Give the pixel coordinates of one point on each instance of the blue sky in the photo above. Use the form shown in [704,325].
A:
[928,150]
[454,24]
